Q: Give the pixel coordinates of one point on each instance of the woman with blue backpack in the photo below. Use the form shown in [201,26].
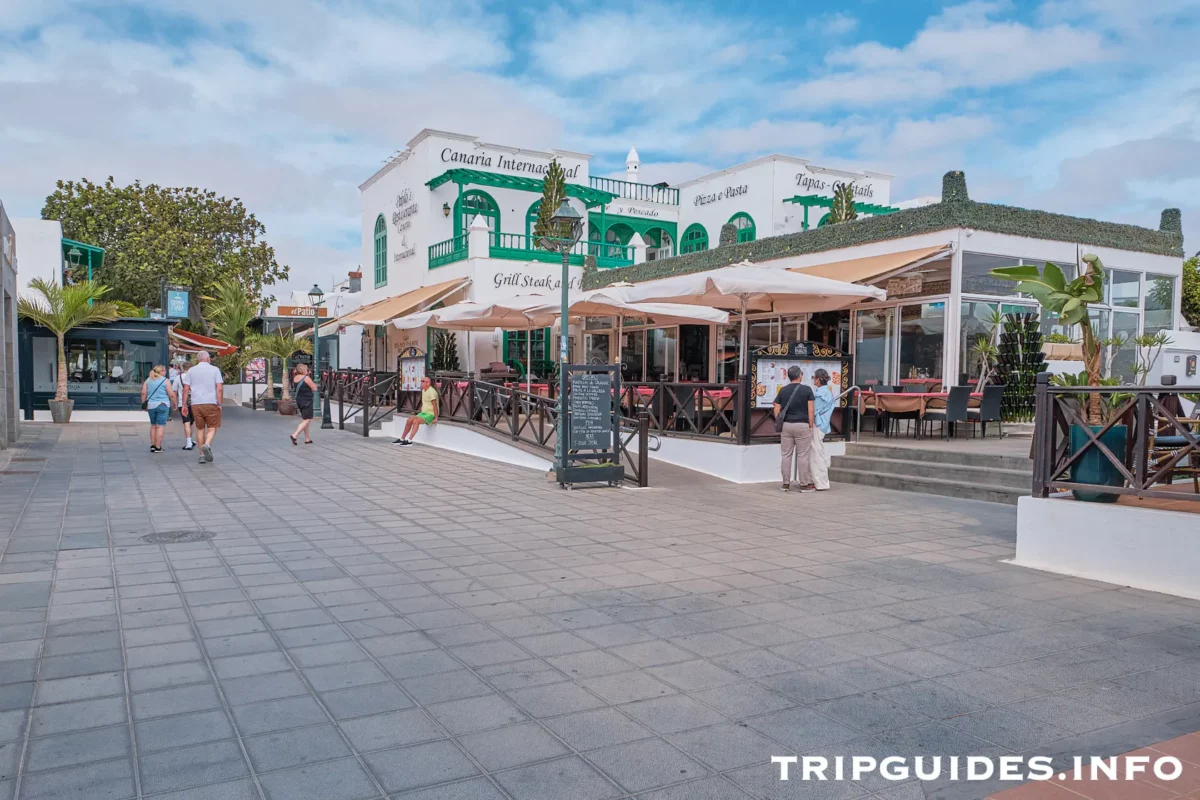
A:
[158,398]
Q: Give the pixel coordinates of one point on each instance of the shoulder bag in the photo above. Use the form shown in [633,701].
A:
[783,413]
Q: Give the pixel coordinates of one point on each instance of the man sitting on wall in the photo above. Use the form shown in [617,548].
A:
[426,416]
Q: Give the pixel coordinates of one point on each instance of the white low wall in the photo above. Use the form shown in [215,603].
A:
[237,393]
[43,415]
[465,440]
[1139,547]
[756,463]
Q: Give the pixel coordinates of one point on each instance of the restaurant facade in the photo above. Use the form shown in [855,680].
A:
[451,218]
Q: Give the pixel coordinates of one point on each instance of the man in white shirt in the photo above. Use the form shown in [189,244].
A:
[203,393]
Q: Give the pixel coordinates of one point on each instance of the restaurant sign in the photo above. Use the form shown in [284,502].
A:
[724,194]
[769,367]
[300,311]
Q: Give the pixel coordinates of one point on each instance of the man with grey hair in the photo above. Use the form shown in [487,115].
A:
[203,393]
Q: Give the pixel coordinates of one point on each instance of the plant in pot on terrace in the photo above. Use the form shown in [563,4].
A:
[1070,300]
[61,309]
[984,352]
[1149,348]
[281,344]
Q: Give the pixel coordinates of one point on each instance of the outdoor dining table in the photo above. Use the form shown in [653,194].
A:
[929,384]
[909,402]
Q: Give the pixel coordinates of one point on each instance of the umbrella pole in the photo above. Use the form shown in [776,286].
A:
[742,344]
[620,319]
[529,360]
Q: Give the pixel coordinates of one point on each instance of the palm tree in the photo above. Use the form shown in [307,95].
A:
[281,344]
[61,309]
[842,209]
[230,312]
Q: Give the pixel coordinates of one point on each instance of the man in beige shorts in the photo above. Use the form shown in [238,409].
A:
[203,392]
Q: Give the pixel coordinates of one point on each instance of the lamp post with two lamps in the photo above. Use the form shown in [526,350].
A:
[567,223]
[316,299]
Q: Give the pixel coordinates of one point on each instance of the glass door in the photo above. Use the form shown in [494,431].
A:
[922,340]
[596,348]
[633,352]
[876,338]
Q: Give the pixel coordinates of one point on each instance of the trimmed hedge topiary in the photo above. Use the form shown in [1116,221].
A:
[956,210]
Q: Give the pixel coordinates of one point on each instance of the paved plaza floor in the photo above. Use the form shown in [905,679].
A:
[368,621]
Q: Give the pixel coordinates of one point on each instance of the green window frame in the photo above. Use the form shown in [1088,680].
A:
[531,221]
[745,226]
[472,204]
[694,239]
[381,265]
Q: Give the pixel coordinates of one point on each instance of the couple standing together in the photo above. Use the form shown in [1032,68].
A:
[802,419]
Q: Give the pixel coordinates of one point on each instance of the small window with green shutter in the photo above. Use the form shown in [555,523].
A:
[745,226]
[381,264]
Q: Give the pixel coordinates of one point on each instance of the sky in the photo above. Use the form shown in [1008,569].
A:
[1087,107]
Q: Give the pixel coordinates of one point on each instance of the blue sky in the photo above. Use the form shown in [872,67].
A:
[1087,107]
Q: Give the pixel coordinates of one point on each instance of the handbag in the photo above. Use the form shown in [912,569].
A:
[783,414]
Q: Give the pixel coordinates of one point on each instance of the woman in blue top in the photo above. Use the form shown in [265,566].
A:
[823,406]
[159,397]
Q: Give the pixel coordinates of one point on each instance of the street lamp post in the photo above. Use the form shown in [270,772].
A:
[568,224]
[316,299]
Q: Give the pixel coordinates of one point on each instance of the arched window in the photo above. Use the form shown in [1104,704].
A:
[660,244]
[380,252]
[694,240]
[475,204]
[745,226]
[531,222]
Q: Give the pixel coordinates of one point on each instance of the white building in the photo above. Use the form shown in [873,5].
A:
[417,211]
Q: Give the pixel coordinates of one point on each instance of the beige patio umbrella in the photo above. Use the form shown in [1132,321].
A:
[751,287]
[606,303]
[512,313]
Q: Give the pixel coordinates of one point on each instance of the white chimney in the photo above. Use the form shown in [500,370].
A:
[632,163]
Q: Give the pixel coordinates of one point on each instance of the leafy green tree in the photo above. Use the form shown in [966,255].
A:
[60,309]
[554,191]
[1191,290]
[188,236]
[843,204]
[281,344]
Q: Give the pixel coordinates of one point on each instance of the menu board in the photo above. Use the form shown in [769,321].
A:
[590,411]
[411,372]
[772,376]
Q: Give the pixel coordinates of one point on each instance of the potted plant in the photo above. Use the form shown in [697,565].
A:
[1070,301]
[60,309]
[281,344]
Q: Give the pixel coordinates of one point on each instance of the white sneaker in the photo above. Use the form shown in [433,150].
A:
[206,450]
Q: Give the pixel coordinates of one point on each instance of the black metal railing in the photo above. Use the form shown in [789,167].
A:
[520,416]
[1161,456]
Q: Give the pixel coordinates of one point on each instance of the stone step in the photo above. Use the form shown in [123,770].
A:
[937,455]
[1016,479]
[938,486]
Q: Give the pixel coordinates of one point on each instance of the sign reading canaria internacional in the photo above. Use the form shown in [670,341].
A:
[500,161]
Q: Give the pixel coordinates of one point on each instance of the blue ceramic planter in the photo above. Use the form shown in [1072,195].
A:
[1093,467]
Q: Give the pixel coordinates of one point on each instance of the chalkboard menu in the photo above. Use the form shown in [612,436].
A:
[590,407]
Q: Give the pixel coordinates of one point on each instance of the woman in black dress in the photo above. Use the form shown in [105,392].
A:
[304,401]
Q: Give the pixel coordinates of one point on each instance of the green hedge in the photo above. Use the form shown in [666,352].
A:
[956,210]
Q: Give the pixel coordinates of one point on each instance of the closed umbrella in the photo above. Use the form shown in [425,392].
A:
[751,287]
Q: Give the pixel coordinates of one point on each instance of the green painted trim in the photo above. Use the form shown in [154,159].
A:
[955,211]
[603,221]
[747,233]
[448,252]
[381,252]
[460,224]
[694,240]
[816,200]
[591,197]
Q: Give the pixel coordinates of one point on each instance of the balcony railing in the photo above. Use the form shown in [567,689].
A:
[448,252]
[637,191]
[518,246]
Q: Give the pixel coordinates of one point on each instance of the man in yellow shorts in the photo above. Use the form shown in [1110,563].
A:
[426,416]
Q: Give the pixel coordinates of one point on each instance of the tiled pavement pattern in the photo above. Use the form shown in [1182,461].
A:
[371,622]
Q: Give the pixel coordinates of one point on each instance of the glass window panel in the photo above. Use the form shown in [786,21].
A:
[762,332]
[693,352]
[922,341]
[1124,358]
[45,364]
[1099,318]
[873,357]
[1122,289]
[977,280]
[661,353]
[633,351]
[125,365]
[791,329]
[1160,304]
[82,367]
[596,348]
[728,340]
[975,323]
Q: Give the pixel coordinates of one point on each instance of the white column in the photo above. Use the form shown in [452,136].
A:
[478,239]
[639,246]
[953,321]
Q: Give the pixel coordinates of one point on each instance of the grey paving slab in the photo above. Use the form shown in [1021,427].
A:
[440,633]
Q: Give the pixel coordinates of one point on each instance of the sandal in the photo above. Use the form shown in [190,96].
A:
[292,436]
[308,441]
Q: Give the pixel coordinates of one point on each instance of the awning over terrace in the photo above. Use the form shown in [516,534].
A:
[859,270]
[383,311]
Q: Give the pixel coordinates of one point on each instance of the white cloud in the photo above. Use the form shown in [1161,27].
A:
[832,25]
[962,48]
